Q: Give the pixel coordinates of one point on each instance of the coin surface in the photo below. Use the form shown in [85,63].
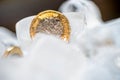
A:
[13,50]
[51,22]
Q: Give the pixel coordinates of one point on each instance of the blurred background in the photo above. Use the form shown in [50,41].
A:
[12,11]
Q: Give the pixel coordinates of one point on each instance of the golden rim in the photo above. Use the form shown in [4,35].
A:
[13,50]
[51,14]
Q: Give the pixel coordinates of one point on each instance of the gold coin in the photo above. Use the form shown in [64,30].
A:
[12,51]
[51,22]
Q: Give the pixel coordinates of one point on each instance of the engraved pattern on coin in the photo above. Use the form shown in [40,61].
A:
[51,22]
[50,26]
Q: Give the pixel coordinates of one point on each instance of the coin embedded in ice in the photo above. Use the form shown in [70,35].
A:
[13,50]
[51,22]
